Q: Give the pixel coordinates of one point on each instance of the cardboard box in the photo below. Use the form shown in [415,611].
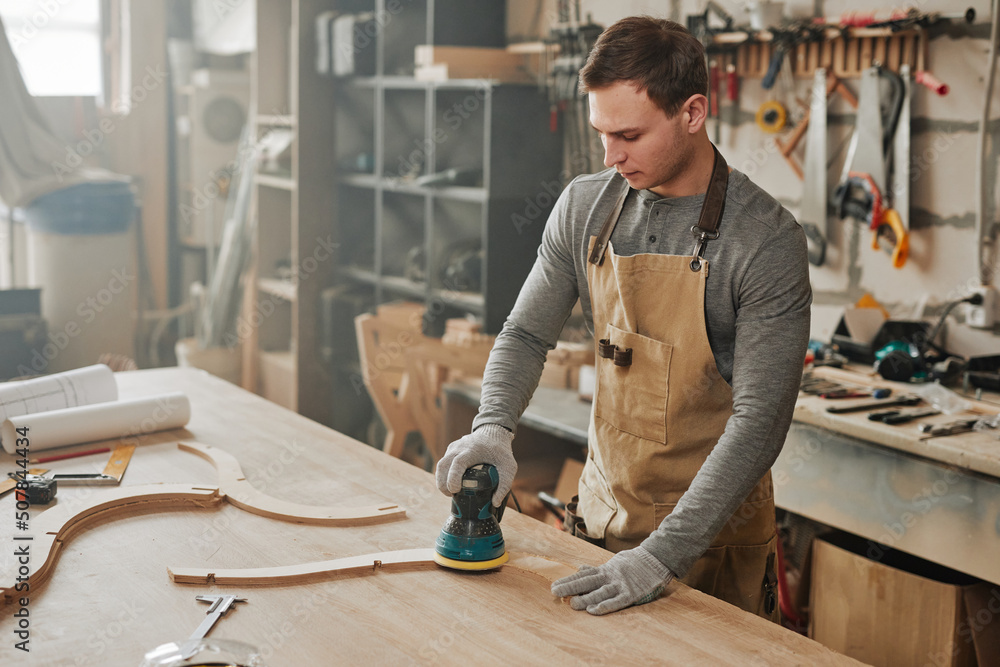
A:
[896,609]
[440,63]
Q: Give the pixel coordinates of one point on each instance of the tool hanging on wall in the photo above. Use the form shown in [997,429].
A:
[572,40]
[788,147]
[772,116]
[813,216]
[733,94]
[861,193]
[892,232]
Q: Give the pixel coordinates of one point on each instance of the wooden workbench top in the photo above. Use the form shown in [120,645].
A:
[978,452]
[109,599]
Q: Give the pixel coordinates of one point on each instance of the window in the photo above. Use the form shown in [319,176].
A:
[57,44]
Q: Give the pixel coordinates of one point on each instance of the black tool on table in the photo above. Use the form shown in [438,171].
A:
[37,490]
[908,399]
[880,392]
[901,416]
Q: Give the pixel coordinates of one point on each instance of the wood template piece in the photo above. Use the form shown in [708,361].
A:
[236,489]
[54,527]
[406,560]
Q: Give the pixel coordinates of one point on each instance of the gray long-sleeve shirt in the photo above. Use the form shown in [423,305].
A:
[757,300]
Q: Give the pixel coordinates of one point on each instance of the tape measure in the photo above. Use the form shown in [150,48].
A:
[34,488]
[771,116]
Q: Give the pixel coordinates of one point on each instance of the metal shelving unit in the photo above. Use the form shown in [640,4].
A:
[401,237]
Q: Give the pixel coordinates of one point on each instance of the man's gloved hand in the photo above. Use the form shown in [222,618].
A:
[490,443]
[631,577]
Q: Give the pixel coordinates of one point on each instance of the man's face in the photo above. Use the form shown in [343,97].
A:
[645,146]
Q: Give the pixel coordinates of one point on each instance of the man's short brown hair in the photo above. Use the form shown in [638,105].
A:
[658,56]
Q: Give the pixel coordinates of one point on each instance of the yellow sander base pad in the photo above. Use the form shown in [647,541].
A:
[471,565]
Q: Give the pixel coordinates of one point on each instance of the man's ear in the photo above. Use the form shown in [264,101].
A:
[696,108]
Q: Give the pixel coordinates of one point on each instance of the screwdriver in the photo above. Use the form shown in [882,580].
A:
[900,417]
[851,393]
[951,428]
[885,403]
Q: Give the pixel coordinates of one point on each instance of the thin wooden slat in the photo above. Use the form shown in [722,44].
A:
[865,54]
[813,59]
[800,64]
[894,55]
[851,66]
[879,54]
[908,54]
[826,55]
[839,64]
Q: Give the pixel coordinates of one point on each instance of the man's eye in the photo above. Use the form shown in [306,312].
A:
[631,138]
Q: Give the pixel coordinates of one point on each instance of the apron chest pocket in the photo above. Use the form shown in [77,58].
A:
[633,398]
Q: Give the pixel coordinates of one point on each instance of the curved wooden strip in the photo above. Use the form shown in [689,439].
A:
[54,527]
[395,561]
[241,493]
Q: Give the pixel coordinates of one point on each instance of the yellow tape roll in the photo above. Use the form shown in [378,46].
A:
[771,116]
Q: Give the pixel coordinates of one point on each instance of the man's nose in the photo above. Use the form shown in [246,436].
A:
[613,153]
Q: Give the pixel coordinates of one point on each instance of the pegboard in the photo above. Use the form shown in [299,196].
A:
[846,53]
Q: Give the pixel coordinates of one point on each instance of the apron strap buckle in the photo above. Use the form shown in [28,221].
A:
[702,237]
[605,349]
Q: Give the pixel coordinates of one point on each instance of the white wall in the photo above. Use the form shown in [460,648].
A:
[942,262]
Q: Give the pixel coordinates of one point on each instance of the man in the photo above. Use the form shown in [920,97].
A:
[701,338]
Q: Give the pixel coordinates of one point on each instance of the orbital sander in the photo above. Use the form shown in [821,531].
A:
[471,537]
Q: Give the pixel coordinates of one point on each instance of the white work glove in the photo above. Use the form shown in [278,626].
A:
[631,577]
[490,443]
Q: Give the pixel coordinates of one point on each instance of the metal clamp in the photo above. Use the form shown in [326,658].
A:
[703,236]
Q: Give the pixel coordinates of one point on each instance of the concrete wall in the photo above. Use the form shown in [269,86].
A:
[942,263]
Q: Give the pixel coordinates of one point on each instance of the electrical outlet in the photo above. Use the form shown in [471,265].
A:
[983,316]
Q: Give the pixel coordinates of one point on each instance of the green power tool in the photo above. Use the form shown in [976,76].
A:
[471,537]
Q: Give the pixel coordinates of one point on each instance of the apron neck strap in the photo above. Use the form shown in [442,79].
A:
[597,254]
[706,230]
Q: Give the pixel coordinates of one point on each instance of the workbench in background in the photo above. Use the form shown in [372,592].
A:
[109,599]
[938,499]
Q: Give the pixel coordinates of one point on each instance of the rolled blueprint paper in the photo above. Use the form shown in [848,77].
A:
[82,386]
[105,421]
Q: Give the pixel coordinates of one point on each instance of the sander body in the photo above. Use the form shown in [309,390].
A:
[471,537]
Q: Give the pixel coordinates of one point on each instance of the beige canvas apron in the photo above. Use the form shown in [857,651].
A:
[660,406]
